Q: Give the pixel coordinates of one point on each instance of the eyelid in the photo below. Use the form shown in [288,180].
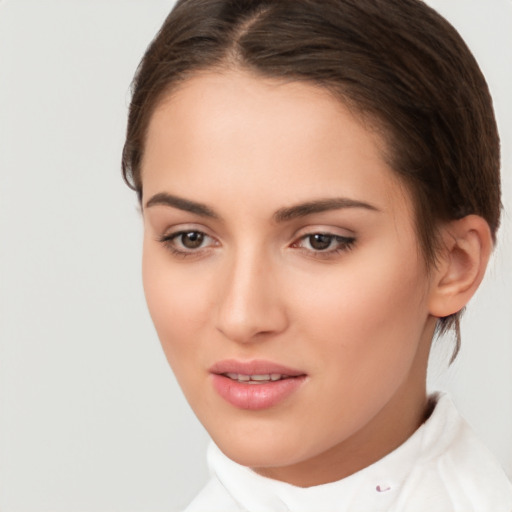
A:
[174,229]
[314,229]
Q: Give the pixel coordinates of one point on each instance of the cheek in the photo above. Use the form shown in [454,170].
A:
[362,330]
[177,305]
[365,313]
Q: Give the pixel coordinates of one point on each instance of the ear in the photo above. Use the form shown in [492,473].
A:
[467,246]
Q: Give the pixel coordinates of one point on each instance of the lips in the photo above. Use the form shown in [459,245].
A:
[254,367]
[255,385]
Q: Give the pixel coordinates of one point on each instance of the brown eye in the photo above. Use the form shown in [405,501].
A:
[192,239]
[188,243]
[320,242]
[324,244]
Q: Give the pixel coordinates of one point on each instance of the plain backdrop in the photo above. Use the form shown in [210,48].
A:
[91,419]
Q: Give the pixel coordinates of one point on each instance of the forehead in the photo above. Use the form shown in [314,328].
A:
[234,134]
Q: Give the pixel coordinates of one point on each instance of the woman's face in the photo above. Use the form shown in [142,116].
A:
[283,275]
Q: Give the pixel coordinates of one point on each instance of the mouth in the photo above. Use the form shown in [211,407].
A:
[255,385]
[256,379]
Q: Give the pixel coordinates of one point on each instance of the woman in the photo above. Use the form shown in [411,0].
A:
[320,188]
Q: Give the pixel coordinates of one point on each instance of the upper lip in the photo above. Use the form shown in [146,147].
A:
[253,367]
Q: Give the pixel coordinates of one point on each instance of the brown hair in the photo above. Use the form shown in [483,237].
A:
[397,61]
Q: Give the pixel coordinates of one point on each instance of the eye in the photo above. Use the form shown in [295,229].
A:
[186,243]
[324,243]
[191,239]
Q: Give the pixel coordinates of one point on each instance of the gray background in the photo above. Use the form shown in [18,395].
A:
[91,418]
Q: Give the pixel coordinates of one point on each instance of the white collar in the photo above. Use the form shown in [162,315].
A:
[374,488]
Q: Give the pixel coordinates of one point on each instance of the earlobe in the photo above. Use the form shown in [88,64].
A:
[467,246]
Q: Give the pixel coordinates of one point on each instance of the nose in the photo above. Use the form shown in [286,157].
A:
[251,305]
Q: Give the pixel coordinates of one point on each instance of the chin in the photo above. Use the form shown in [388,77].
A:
[253,456]
[263,449]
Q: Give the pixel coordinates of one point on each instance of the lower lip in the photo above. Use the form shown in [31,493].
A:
[256,396]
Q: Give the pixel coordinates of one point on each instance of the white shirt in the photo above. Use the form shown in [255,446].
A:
[442,467]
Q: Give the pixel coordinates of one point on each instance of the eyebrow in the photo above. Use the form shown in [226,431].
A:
[186,205]
[281,215]
[319,206]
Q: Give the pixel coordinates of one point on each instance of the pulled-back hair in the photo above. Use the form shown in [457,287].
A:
[396,62]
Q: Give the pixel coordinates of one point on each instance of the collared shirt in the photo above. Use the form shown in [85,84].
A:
[442,467]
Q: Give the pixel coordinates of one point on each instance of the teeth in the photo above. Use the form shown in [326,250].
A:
[254,379]
[260,377]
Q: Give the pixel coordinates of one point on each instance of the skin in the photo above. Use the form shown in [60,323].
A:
[357,320]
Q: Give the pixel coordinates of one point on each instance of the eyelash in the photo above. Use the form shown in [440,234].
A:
[343,244]
[169,241]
